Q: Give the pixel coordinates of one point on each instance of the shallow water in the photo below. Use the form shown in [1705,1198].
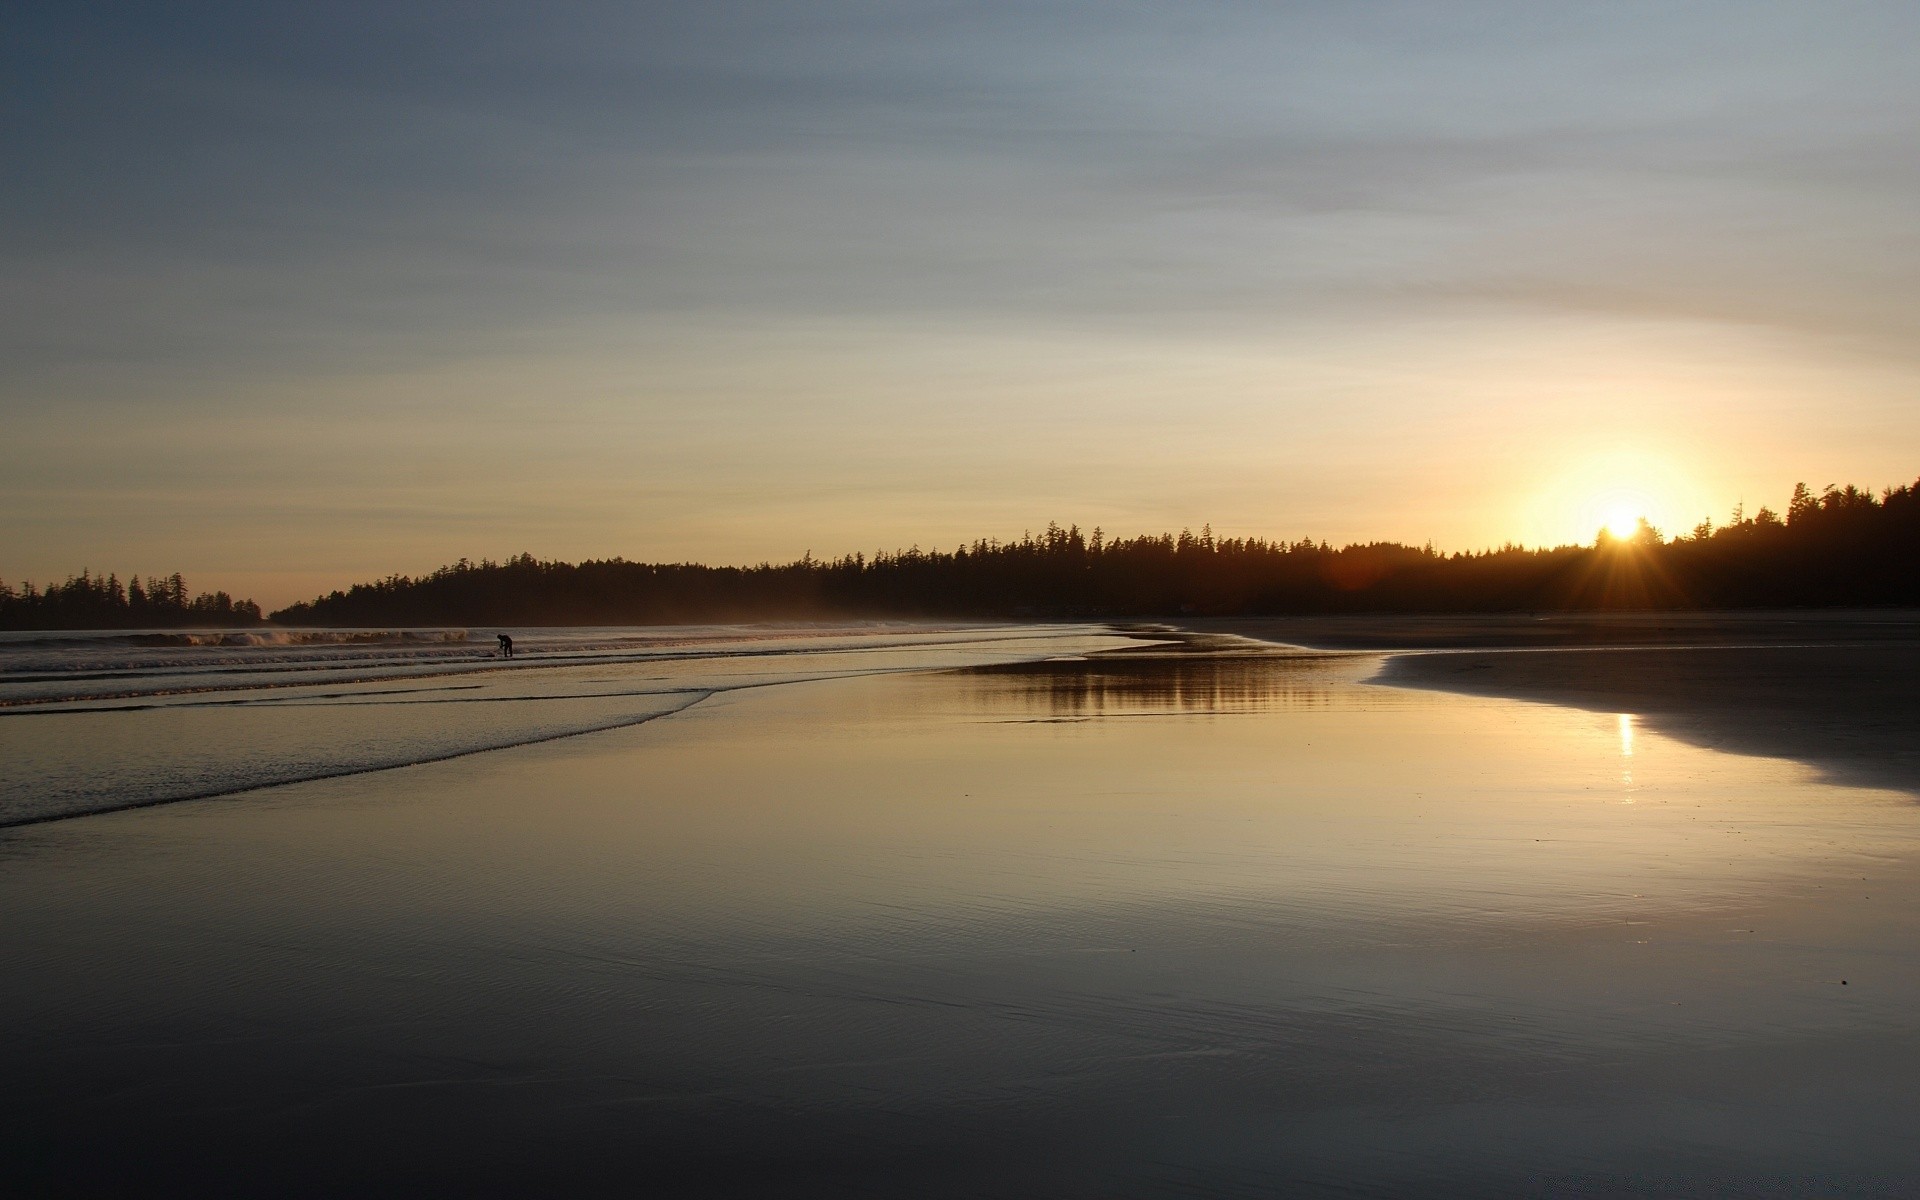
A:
[1148,924]
[96,722]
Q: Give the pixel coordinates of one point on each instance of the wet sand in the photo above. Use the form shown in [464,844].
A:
[1147,924]
[1840,691]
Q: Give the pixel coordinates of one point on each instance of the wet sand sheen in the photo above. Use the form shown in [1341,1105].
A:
[1127,926]
[1835,689]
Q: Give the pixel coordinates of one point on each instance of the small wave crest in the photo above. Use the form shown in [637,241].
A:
[303,637]
[82,656]
[81,639]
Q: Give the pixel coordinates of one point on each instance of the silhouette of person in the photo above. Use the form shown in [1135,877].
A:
[506,646]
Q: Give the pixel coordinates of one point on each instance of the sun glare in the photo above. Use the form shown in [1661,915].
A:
[1623,524]
[1611,492]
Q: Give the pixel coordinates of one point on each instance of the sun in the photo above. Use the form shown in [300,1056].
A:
[1613,491]
[1623,523]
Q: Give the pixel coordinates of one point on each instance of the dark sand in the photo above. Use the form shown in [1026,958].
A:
[1837,690]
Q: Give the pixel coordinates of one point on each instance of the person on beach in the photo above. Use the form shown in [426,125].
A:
[506,646]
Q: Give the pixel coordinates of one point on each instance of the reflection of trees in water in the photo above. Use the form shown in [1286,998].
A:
[1161,683]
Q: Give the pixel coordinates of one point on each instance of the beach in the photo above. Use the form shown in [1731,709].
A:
[633,600]
[1045,910]
[1835,689]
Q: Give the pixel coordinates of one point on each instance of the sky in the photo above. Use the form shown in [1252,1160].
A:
[298,295]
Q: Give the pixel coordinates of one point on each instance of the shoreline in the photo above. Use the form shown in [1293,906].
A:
[1838,691]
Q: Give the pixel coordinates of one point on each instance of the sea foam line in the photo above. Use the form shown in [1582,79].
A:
[345,772]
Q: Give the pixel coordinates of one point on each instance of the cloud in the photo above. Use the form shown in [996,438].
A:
[218,208]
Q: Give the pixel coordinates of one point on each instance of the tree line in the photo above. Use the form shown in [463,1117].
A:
[89,601]
[1839,547]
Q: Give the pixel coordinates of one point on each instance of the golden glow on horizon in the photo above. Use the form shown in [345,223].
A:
[1612,492]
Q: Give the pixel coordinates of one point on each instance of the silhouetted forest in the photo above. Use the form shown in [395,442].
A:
[1843,547]
[89,601]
